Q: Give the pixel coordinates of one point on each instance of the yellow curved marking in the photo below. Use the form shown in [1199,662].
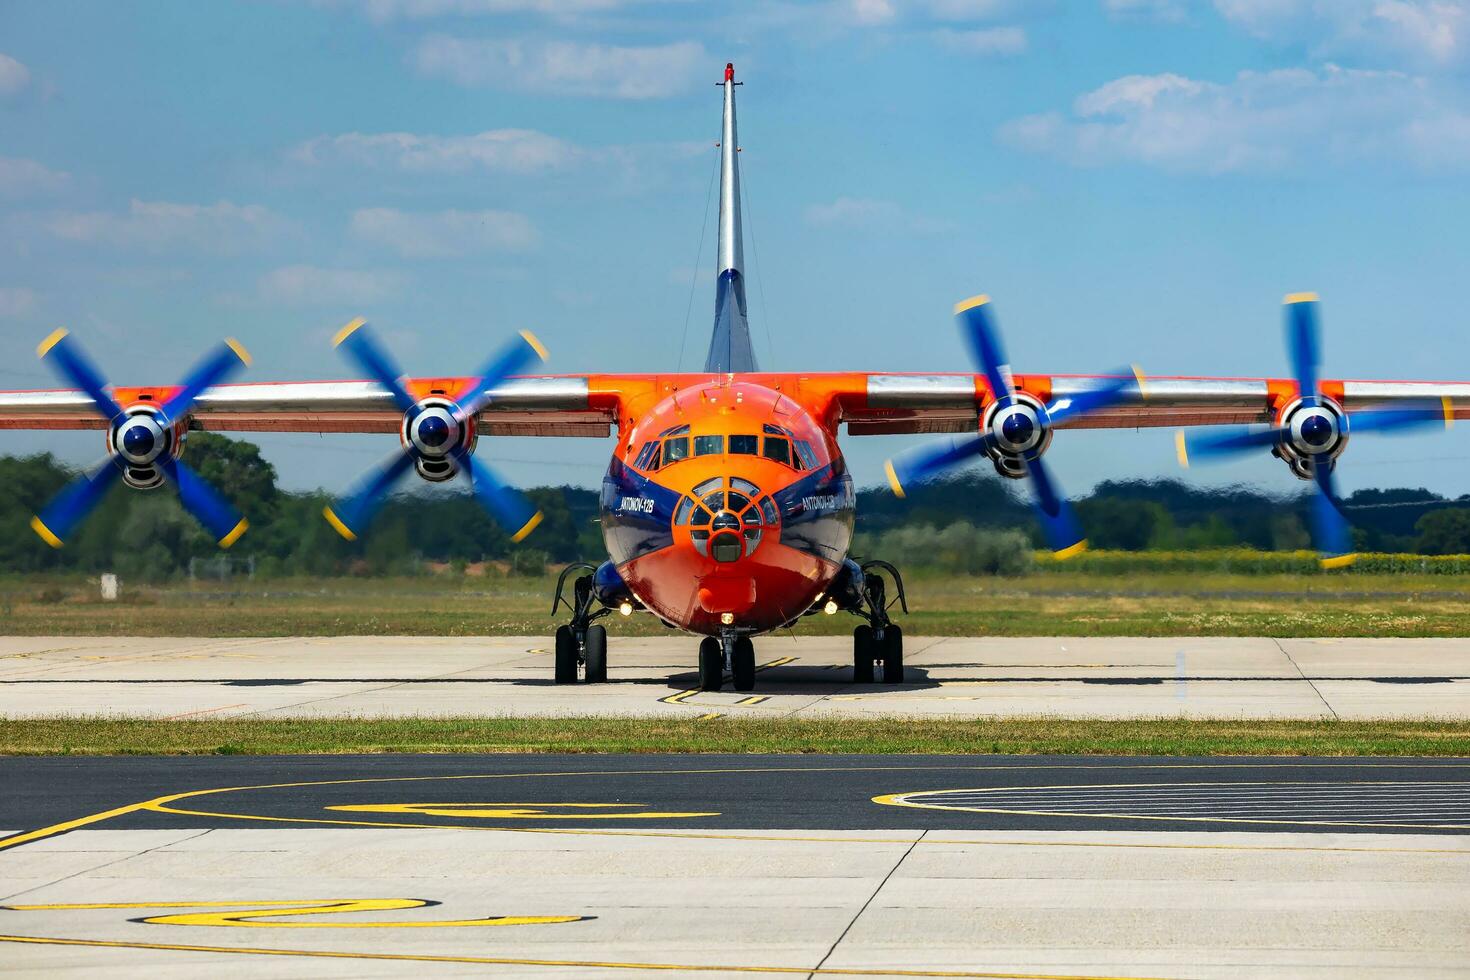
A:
[52,339]
[235,533]
[1293,298]
[826,971]
[536,344]
[1181,448]
[893,479]
[514,811]
[527,527]
[906,800]
[45,533]
[336,522]
[1449,410]
[1142,380]
[240,351]
[1071,551]
[971,303]
[160,803]
[1340,561]
[247,917]
[347,331]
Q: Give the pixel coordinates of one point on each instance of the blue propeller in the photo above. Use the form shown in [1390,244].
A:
[1016,429]
[1313,431]
[142,440]
[436,432]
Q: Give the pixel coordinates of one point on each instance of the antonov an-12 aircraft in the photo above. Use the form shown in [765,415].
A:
[727,508]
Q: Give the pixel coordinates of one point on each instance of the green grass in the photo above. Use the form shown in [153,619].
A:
[1102,599]
[1014,736]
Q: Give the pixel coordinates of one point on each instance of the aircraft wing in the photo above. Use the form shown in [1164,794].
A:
[908,403]
[591,405]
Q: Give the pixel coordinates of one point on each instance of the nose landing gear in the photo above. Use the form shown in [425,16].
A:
[728,648]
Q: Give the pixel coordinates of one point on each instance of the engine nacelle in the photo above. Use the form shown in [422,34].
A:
[1314,433]
[432,432]
[138,439]
[1021,429]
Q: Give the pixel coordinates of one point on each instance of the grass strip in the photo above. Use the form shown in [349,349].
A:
[888,736]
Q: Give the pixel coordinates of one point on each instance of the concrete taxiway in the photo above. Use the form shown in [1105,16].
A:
[1075,677]
[584,867]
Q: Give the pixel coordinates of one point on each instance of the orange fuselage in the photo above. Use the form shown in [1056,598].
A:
[727,504]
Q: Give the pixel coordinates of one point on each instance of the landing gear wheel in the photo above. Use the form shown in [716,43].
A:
[711,664]
[595,652]
[892,655]
[566,655]
[862,655]
[742,664]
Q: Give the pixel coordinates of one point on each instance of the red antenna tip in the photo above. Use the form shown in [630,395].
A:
[730,71]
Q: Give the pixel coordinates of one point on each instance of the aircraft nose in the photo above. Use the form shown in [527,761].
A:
[725,543]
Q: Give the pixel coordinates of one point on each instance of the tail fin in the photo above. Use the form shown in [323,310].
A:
[729,345]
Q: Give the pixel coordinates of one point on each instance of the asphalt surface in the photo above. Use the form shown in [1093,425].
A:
[694,792]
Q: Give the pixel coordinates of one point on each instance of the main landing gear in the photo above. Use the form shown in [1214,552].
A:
[879,640]
[732,648]
[580,643]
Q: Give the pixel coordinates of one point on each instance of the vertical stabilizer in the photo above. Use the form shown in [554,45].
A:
[729,346]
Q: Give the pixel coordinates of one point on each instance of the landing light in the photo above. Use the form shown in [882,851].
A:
[727,618]
[831,607]
[626,608]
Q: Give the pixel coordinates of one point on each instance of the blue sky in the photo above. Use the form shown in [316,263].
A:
[1132,180]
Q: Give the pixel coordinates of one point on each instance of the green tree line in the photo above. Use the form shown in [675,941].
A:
[149,534]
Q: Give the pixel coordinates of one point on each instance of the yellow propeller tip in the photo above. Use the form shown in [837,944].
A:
[347,331]
[971,303]
[51,341]
[1181,449]
[527,528]
[536,344]
[235,533]
[1339,561]
[337,524]
[1071,551]
[45,532]
[240,351]
[1142,380]
[1293,298]
[893,479]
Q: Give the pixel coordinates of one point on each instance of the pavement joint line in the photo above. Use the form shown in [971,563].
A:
[160,804]
[106,864]
[584,964]
[859,914]
[1310,683]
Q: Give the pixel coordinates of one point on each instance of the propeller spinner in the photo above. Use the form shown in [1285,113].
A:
[1311,431]
[437,436]
[143,444]
[1016,429]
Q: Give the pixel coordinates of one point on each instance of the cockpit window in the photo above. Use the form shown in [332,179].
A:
[676,449]
[744,445]
[677,430]
[744,486]
[708,485]
[648,453]
[773,430]
[715,501]
[736,501]
[805,454]
[681,516]
[778,449]
[709,445]
[700,518]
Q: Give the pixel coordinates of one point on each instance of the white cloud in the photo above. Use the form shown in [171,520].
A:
[871,11]
[220,227]
[1258,122]
[564,67]
[985,41]
[1165,10]
[14,76]
[875,13]
[1401,32]
[20,177]
[866,212]
[309,285]
[444,233]
[496,150]
[388,10]
[16,301]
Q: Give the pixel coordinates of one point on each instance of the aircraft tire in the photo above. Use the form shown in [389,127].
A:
[892,655]
[742,664]
[566,656]
[596,654]
[862,655]
[711,664]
